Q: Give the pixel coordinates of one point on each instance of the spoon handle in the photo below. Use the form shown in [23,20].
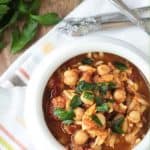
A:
[132,16]
[80,26]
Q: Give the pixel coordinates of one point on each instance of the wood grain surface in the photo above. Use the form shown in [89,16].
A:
[62,7]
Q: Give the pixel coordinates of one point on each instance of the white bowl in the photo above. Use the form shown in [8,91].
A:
[34,116]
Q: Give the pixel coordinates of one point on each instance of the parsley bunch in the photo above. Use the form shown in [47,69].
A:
[14,11]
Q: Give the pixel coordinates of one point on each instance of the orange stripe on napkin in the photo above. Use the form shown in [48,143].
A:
[12,137]
[24,73]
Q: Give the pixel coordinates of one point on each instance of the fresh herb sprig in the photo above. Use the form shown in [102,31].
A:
[103,108]
[75,101]
[96,120]
[121,66]
[102,87]
[65,116]
[14,11]
[117,125]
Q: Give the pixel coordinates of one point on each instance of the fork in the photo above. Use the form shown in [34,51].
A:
[132,16]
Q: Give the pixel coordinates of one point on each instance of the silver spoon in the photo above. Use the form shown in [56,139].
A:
[132,16]
[81,26]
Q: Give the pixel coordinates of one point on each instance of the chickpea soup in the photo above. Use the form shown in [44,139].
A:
[97,101]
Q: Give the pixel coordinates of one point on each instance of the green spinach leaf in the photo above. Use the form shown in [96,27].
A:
[111,85]
[85,86]
[88,95]
[117,125]
[103,108]
[121,66]
[75,102]
[103,88]
[99,100]
[64,115]
[96,120]
[87,61]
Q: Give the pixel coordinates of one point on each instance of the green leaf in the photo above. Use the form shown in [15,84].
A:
[117,125]
[46,19]
[10,22]
[85,86]
[121,66]
[103,108]
[23,7]
[5,20]
[88,95]
[99,100]
[103,88]
[3,9]
[64,115]
[29,7]
[34,6]
[111,86]
[15,35]
[96,120]
[75,102]
[4,1]
[13,18]
[27,34]
[87,61]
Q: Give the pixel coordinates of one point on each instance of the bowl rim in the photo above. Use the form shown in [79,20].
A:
[34,93]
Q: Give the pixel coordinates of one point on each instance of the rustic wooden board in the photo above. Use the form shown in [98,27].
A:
[62,7]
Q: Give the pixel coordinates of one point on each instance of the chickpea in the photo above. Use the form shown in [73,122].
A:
[71,77]
[120,95]
[103,69]
[79,112]
[134,116]
[80,137]
[86,77]
[122,108]
[125,125]
[97,78]
[111,140]
[67,107]
[59,102]
[68,94]
[107,77]
[87,68]
[102,118]
[132,86]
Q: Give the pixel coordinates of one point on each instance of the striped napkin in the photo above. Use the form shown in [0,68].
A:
[13,132]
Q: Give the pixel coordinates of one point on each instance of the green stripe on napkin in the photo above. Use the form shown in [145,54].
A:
[6,145]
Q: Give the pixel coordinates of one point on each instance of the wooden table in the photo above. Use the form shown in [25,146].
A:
[62,7]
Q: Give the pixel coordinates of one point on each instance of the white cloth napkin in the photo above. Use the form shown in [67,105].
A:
[13,133]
